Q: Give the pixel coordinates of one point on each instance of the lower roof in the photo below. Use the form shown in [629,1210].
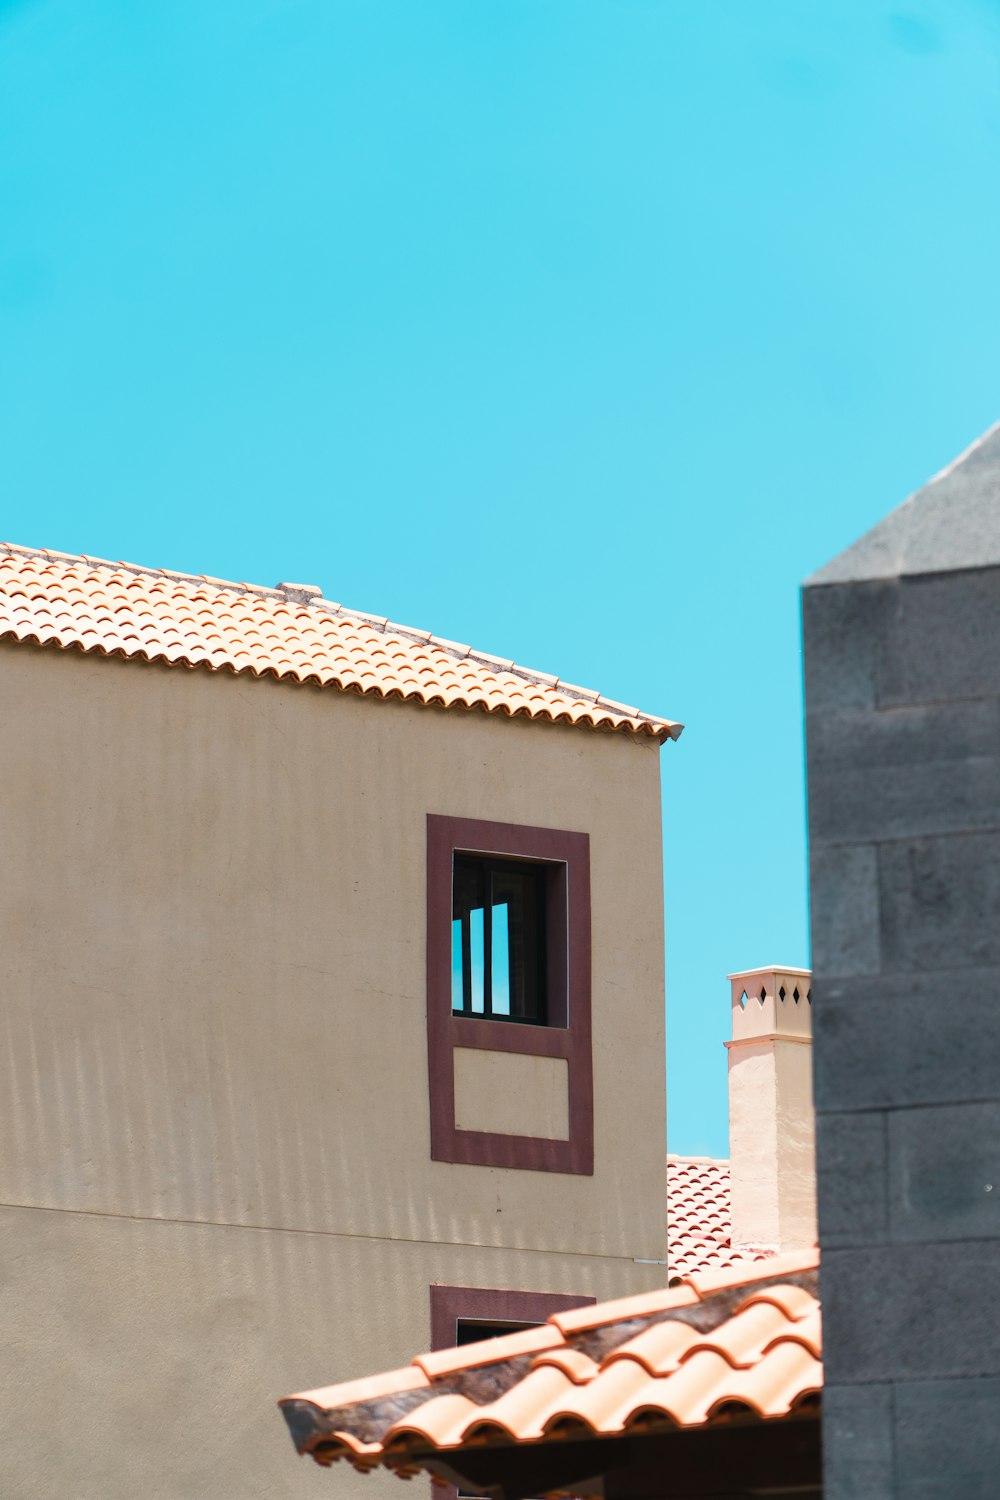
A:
[699,1217]
[717,1346]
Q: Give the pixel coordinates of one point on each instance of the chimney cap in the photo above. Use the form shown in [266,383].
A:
[780,1010]
[771,969]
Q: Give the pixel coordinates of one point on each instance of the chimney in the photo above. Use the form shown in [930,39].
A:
[771,1129]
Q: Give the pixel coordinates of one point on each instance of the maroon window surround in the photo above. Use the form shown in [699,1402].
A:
[449,1304]
[568,1034]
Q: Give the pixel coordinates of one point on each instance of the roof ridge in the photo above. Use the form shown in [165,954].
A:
[686,1289]
[456,650]
[949,524]
[959,458]
[674,1159]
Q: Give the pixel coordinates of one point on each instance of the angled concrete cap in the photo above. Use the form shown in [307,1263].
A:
[952,523]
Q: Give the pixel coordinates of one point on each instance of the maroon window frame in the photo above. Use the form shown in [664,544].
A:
[489,1305]
[449,1304]
[568,1032]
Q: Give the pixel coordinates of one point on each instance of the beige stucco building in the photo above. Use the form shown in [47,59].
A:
[247,1128]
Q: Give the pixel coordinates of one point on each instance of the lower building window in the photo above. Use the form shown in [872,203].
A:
[474,1331]
[463,1315]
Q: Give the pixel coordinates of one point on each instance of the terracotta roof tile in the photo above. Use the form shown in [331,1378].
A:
[699,1224]
[644,1304]
[524,1341]
[291,632]
[681,1357]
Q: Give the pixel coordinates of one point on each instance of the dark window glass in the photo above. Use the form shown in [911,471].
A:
[474,1330]
[498,939]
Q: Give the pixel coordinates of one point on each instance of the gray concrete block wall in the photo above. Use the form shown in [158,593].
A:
[903,747]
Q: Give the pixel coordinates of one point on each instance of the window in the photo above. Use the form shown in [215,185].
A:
[508,980]
[498,966]
[467,1314]
[475,1330]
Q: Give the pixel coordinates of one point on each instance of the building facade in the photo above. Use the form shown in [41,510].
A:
[902,666]
[333,974]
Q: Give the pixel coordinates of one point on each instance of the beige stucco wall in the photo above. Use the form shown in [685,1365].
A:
[214,1112]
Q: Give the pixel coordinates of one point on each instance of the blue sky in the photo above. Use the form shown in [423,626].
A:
[582,330]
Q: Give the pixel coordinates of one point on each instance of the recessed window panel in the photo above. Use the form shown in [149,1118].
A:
[498,939]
